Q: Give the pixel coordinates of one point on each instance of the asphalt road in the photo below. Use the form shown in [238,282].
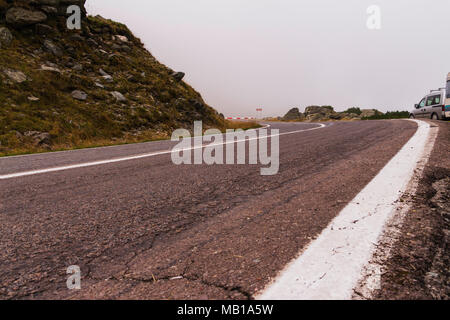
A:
[148,229]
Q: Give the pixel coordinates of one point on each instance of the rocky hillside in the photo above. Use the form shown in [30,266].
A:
[327,113]
[62,88]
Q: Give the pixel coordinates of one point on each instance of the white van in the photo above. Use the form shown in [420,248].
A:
[435,105]
[447,98]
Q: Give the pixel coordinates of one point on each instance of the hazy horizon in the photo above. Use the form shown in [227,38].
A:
[280,54]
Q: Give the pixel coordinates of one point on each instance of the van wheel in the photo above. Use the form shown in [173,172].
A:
[412,116]
[435,116]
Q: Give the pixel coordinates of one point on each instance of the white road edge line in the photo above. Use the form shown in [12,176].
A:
[330,267]
[135,157]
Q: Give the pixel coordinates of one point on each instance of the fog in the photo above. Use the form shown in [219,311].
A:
[279,54]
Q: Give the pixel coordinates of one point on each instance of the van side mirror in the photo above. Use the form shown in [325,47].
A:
[416,106]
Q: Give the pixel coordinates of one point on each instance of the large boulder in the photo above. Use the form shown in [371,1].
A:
[293,114]
[178,76]
[316,109]
[367,113]
[21,17]
[52,48]
[319,113]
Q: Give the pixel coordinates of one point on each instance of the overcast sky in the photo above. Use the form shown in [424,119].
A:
[279,54]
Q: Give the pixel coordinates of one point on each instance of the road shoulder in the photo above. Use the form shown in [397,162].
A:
[414,251]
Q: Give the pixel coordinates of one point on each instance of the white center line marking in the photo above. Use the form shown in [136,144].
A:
[135,157]
[331,265]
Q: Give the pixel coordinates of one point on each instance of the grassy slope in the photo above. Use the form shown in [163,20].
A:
[156,104]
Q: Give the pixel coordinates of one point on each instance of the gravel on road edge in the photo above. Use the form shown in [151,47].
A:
[418,266]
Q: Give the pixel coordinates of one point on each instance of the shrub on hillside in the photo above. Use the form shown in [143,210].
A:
[389,115]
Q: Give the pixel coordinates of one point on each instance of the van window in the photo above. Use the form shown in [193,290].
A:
[448,89]
[437,100]
[433,100]
[422,103]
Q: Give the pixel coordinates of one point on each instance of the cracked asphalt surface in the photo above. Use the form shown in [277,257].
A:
[147,229]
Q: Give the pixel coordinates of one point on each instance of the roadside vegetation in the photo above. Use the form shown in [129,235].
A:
[327,113]
[357,111]
[388,115]
[245,125]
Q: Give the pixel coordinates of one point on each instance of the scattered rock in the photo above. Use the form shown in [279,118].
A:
[52,48]
[125,48]
[105,75]
[92,43]
[103,72]
[178,75]
[99,85]
[51,64]
[79,95]
[33,98]
[77,37]
[119,97]
[49,10]
[43,29]
[78,67]
[40,138]
[50,68]
[5,37]
[199,105]
[115,47]
[120,38]
[16,76]
[21,17]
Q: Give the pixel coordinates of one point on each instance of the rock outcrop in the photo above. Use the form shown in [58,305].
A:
[294,115]
[63,88]
[21,17]
[316,113]
[21,14]
[366,113]
[327,113]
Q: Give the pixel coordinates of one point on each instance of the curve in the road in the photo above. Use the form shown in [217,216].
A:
[331,265]
[141,156]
